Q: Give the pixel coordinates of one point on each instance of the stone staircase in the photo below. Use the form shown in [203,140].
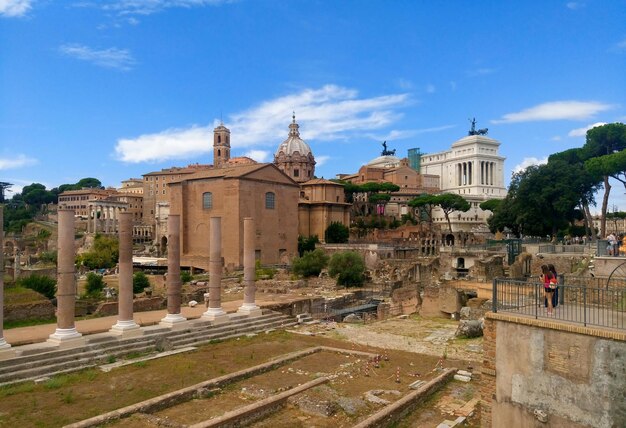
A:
[41,360]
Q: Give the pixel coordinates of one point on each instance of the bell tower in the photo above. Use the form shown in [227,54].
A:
[221,145]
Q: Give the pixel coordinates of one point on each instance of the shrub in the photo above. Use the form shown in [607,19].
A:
[260,271]
[348,267]
[48,257]
[105,253]
[307,244]
[95,284]
[337,233]
[310,264]
[41,284]
[185,276]
[140,282]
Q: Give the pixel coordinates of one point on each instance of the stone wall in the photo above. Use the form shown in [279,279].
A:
[38,310]
[573,374]
[139,305]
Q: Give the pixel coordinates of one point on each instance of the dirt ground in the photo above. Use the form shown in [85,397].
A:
[413,345]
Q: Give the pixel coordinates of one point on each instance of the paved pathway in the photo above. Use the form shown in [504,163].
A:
[40,333]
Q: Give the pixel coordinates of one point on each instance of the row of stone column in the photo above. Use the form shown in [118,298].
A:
[465,173]
[109,216]
[66,280]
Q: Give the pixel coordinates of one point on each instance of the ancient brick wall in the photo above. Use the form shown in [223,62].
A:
[571,374]
[488,372]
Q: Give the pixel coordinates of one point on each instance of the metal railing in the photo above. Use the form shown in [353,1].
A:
[580,304]
[561,248]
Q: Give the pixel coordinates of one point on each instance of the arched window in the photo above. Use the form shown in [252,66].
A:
[207,200]
[270,200]
[219,139]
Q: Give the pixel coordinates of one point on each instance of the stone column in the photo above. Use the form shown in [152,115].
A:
[95,219]
[249,306]
[173,281]
[3,343]
[88,218]
[107,221]
[66,282]
[125,324]
[215,312]
[16,262]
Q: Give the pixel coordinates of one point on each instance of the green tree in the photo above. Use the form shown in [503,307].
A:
[310,264]
[94,285]
[490,204]
[425,204]
[450,202]
[604,157]
[39,283]
[337,233]
[105,253]
[348,267]
[306,244]
[140,282]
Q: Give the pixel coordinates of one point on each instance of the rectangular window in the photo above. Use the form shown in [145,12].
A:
[207,200]
[270,200]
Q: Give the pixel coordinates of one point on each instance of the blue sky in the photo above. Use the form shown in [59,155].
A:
[114,89]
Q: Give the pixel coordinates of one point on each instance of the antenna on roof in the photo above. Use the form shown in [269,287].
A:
[221,120]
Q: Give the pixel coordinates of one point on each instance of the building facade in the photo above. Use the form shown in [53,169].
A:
[321,203]
[260,191]
[472,168]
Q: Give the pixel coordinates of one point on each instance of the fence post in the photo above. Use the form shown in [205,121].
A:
[537,303]
[585,305]
[494,296]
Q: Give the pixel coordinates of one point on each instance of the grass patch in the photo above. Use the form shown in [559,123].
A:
[28,323]
[21,295]
[20,388]
[56,382]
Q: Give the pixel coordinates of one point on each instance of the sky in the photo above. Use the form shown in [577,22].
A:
[114,89]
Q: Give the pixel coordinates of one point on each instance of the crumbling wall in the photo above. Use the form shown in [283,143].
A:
[486,269]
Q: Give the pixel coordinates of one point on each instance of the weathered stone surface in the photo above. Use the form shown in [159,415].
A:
[449,300]
[468,313]
[470,328]
[353,318]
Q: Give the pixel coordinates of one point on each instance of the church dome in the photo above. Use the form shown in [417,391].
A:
[386,161]
[294,143]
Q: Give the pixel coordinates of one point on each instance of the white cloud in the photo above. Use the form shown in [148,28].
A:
[328,113]
[148,7]
[120,59]
[526,162]
[556,110]
[573,5]
[621,45]
[405,84]
[481,72]
[169,144]
[321,160]
[16,162]
[430,89]
[582,132]
[258,155]
[556,138]
[14,8]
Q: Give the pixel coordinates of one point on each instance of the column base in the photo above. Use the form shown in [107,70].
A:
[126,329]
[66,337]
[173,321]
[251,310]
[216,316]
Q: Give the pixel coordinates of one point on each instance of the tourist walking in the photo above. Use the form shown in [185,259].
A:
[555,295]
[548,286]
